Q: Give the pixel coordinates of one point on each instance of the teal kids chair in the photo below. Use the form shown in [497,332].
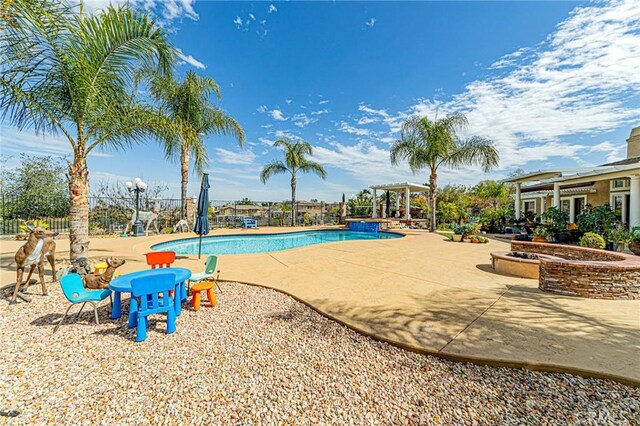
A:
[75,293]
[145,301]
[209,270]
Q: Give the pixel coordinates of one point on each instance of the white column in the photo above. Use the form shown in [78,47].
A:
[518,201]
[542,201]
[556,195]
[397,204]
[572,210]
[634,199]
[407,202]
[374,213]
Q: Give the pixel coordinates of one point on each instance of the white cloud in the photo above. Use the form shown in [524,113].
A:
[262,109]
[14,141]
[252,17]
[167,10]
[320,112]
[238,21]
[190,60]
[276,114]
[302,120]
[288,101]
[347,128]
[272,8]
[323,102]
[371,22]
[226,156]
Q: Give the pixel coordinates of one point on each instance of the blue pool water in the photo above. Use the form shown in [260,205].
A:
[243,244]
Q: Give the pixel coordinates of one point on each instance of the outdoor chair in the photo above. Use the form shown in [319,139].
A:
[145,301]
[249,222]
[209,270]
[160,259]
[75,293]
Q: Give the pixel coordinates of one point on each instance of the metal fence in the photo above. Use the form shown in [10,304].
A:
[113,215]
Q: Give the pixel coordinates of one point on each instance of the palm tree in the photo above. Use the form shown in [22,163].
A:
[187,104]
[430,144]
[295,160]
[71,74]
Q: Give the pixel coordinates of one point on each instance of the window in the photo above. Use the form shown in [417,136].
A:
[620,204]
[530,206]
[620,183]
[565,206]
[578,206]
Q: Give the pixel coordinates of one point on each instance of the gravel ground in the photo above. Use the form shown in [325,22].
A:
[260,357]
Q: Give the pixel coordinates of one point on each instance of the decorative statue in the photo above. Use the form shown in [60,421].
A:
[39,246]
[101,281]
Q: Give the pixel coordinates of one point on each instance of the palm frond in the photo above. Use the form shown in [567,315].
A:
[273,168]
[474,151]
[313,167]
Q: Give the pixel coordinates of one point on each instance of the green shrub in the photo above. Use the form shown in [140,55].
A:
[464,229]
[166,230]
[597,219]
[37,223]
[592,240]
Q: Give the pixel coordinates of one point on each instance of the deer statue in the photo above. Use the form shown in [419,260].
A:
[39,245]
[101,281]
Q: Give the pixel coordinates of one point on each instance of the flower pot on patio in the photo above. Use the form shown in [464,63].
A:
[457,238]
[540,239]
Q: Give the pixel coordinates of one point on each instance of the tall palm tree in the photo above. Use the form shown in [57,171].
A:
[71,74]
[188,105]
[430,144]
[295,160]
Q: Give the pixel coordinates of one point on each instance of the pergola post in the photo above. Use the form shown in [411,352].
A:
[397,204]
[634,199]
[518,201]
[407,203]
[374,213]
[556,195]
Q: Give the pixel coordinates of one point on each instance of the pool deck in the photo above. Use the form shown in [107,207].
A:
[423,293]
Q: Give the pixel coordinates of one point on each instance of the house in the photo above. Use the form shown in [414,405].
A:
[241,210]
[571,190]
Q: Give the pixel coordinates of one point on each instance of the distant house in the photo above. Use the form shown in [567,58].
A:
[571,190]
[241,210]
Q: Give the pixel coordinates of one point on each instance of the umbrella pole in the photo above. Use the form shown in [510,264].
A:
[200,247]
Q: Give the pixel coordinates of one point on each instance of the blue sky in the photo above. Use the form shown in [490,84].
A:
[554,84]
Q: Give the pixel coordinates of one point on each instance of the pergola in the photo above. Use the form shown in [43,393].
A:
[398,188]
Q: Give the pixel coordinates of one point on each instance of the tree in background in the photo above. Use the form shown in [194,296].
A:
[361,205]
[453,204]
[188,105]
[426,143]
[72,74]
[295,160]
[36,188]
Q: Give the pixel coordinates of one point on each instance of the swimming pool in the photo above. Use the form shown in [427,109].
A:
[256,243]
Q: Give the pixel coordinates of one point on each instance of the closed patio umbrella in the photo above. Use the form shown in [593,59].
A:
[201,226]
[388,205]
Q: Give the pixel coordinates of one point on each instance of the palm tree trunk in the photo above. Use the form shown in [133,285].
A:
[78,207]
[293,199]
[184,176]
[432,198]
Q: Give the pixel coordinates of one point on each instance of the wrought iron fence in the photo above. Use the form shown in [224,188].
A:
[114,215]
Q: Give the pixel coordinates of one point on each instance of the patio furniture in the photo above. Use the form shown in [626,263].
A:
[160,259]
[249,222]
[122,284]
[203,286]
[207,274]
[145,301]
[75,293]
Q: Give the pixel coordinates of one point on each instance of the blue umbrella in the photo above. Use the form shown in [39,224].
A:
[202,221]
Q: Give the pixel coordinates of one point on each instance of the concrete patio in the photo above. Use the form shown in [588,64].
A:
[427,294]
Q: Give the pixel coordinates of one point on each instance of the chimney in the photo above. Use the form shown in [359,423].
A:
[633,143]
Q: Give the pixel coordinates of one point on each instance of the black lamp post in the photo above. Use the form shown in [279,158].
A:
[137,187]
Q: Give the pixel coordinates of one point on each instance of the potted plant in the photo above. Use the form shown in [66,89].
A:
[479,239]
[540,234]
[463,230]
[618,238]
[555,222]
[634,244]
[457,233]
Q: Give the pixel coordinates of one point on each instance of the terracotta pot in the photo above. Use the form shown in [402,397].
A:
[539,239]
[635,247]
[457,238]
